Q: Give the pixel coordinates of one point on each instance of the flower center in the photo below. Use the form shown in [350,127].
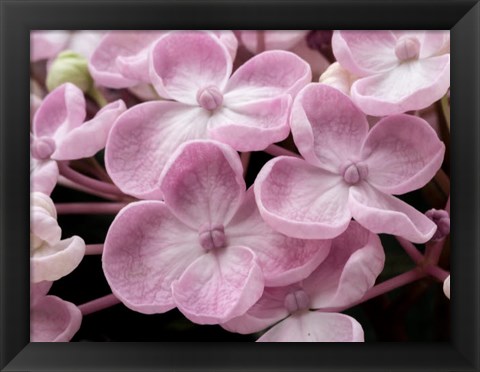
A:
[43,148]
[209,97]
[212,237]
[295,301]
[407,48]
[353,173]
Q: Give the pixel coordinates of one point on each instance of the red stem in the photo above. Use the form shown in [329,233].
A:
[276,150]
[99,304]
[89,208]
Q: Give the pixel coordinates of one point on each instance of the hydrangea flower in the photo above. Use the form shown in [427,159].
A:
[398,71]
[355,260]
[51,318]
[248,110]
[50,257]
[121,58]
[205,248]
[348,171]
[60,132]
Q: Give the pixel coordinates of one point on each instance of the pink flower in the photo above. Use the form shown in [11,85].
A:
[51,318]
[205,249]
[348,171]
[59,132]
[354,262]
[50,257]
[121,58]
[398,71]
[446,287]
[247,111]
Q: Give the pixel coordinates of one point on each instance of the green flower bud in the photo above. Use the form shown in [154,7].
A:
[69,67]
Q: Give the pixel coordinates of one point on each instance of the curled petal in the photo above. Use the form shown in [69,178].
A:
[338,77]
[91,137]
[117,60]
[412,85]
[145,250]
[300,200]
[382,213]
[54,320]
[62,110]
[203,183]
[52,262]
[219,286]
[43,175]
[314,326]
[402,153]
[38,291]
[283,260]
[184,62]
[446,287]
[252,126]
[365,53]
[267,75]
[142,140]
[350,270]
[228,39]
[327,127]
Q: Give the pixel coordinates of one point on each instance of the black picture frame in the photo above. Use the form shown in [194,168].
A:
[18,17]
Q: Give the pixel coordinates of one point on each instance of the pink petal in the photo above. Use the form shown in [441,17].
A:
[327,127]
[283,39]
[43,175]
[410,86]
[338,77]
[52,262]
[182,63]
[402,153]
[90,137]
[62,109]
[203,183]
[121,46]
[228,39]
[85,42]
[283,260]
[47,44]
[252,126]
[54,320]
[44,226]
[300,200]
[365,53]
[354,263]
[142,140]
[268,310]
[38,291]
[267,75]
[446,287]
[434,43]
[145,250]
[219,286]
[382,213]
[314,326]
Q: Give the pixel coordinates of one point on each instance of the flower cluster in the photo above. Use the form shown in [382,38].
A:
[161,125]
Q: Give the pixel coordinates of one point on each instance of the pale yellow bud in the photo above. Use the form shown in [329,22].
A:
[69,67]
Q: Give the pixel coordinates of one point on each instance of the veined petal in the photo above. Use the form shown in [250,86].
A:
[315,326]
[327,127]
[267,75]
[62,110]
[228,39]
[43,175]
[283,260]
[356,259]
[219,286]
[145,250]
[52,262]
[365,53]
[402,153]
[90,137]
[142,140]
[54,320]
[268,310]
[109,64]
[203,183]
[252,126]
[412,85]
[300,200]
[382,213]
[184,62]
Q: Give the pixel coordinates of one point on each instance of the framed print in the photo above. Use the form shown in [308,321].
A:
[217,185]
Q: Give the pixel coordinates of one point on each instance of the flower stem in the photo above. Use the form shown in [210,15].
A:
[245,158]
[99,304]
[93,249]
[91,183]
[72,185]
[276,150]
[89,208]
[411,250]
[97,96]
[437,272]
